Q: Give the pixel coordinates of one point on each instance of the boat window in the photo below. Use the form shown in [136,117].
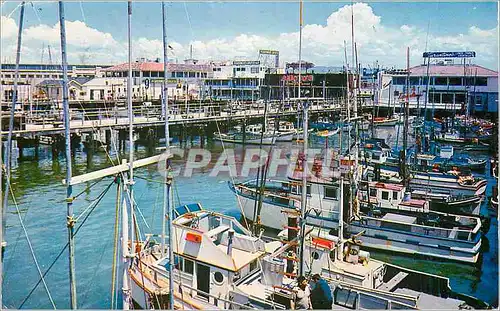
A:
[333,255]
[218,278]
[345,298]
[315,255]
[299,189]
[188,266]
[253,265]
[373,192]
[178,262]
[331,193]
[385,195]
[395,195]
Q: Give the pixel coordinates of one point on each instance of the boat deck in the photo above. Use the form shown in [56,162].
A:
[429,302]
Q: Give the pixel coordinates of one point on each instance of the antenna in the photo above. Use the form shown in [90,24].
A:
[191,51]
[50,55]
[43,50]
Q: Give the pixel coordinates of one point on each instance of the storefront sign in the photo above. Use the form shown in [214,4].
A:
[294,79]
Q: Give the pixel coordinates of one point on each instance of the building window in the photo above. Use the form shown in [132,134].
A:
[440,81]
[455,81]
[254,70]
[330,193]
[204,74]
[481,81]
[459,98]
[447,98]
[191,75]
[399,80]
[395,195]
[385,195]
[373,192]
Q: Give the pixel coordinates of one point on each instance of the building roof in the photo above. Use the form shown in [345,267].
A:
[154,66]
[49,66]
[58,82]
[452,70]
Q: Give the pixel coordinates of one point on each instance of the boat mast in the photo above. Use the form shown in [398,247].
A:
[167,206]
[406,113]
[126,295]
[67,134]
[303,202]
[8,157]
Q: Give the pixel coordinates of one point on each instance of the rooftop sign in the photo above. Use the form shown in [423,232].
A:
[269,52]
[246,62]
[449,54]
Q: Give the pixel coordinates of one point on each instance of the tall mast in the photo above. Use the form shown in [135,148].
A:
[126,294]
[8,156]
[69,199]
[406,113]
[347,98]
[167,206]
[130,124]
[303,202]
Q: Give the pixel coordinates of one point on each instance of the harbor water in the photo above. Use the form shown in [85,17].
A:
[40,204]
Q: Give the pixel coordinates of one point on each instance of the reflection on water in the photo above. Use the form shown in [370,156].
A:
[40,196]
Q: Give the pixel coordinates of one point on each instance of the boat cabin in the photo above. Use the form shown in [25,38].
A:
[391,196]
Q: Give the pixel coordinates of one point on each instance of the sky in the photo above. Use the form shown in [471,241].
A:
[97,31]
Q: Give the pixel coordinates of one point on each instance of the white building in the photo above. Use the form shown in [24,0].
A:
[30,75]
[449,86]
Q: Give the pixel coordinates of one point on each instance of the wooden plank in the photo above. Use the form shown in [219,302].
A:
[111,171]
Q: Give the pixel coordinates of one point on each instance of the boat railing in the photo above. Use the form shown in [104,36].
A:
[369,298]
[454,234]
[158,273]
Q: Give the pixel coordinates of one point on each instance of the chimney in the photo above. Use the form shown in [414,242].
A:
[230,242]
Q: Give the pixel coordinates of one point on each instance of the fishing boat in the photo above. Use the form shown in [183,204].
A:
[218,264]
[448,183]
[402,200]
[458,235]
[253,136]
[446,160]
[323,123]
[449,203]
[385,121]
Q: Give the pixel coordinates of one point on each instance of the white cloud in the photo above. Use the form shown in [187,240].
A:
[8,27]
[322,44]
[77,33]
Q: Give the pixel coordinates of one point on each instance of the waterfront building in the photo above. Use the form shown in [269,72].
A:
[313,85]
[450,86]
[237,80]
[31,75]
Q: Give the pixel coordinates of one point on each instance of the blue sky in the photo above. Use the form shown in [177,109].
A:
[206,22]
